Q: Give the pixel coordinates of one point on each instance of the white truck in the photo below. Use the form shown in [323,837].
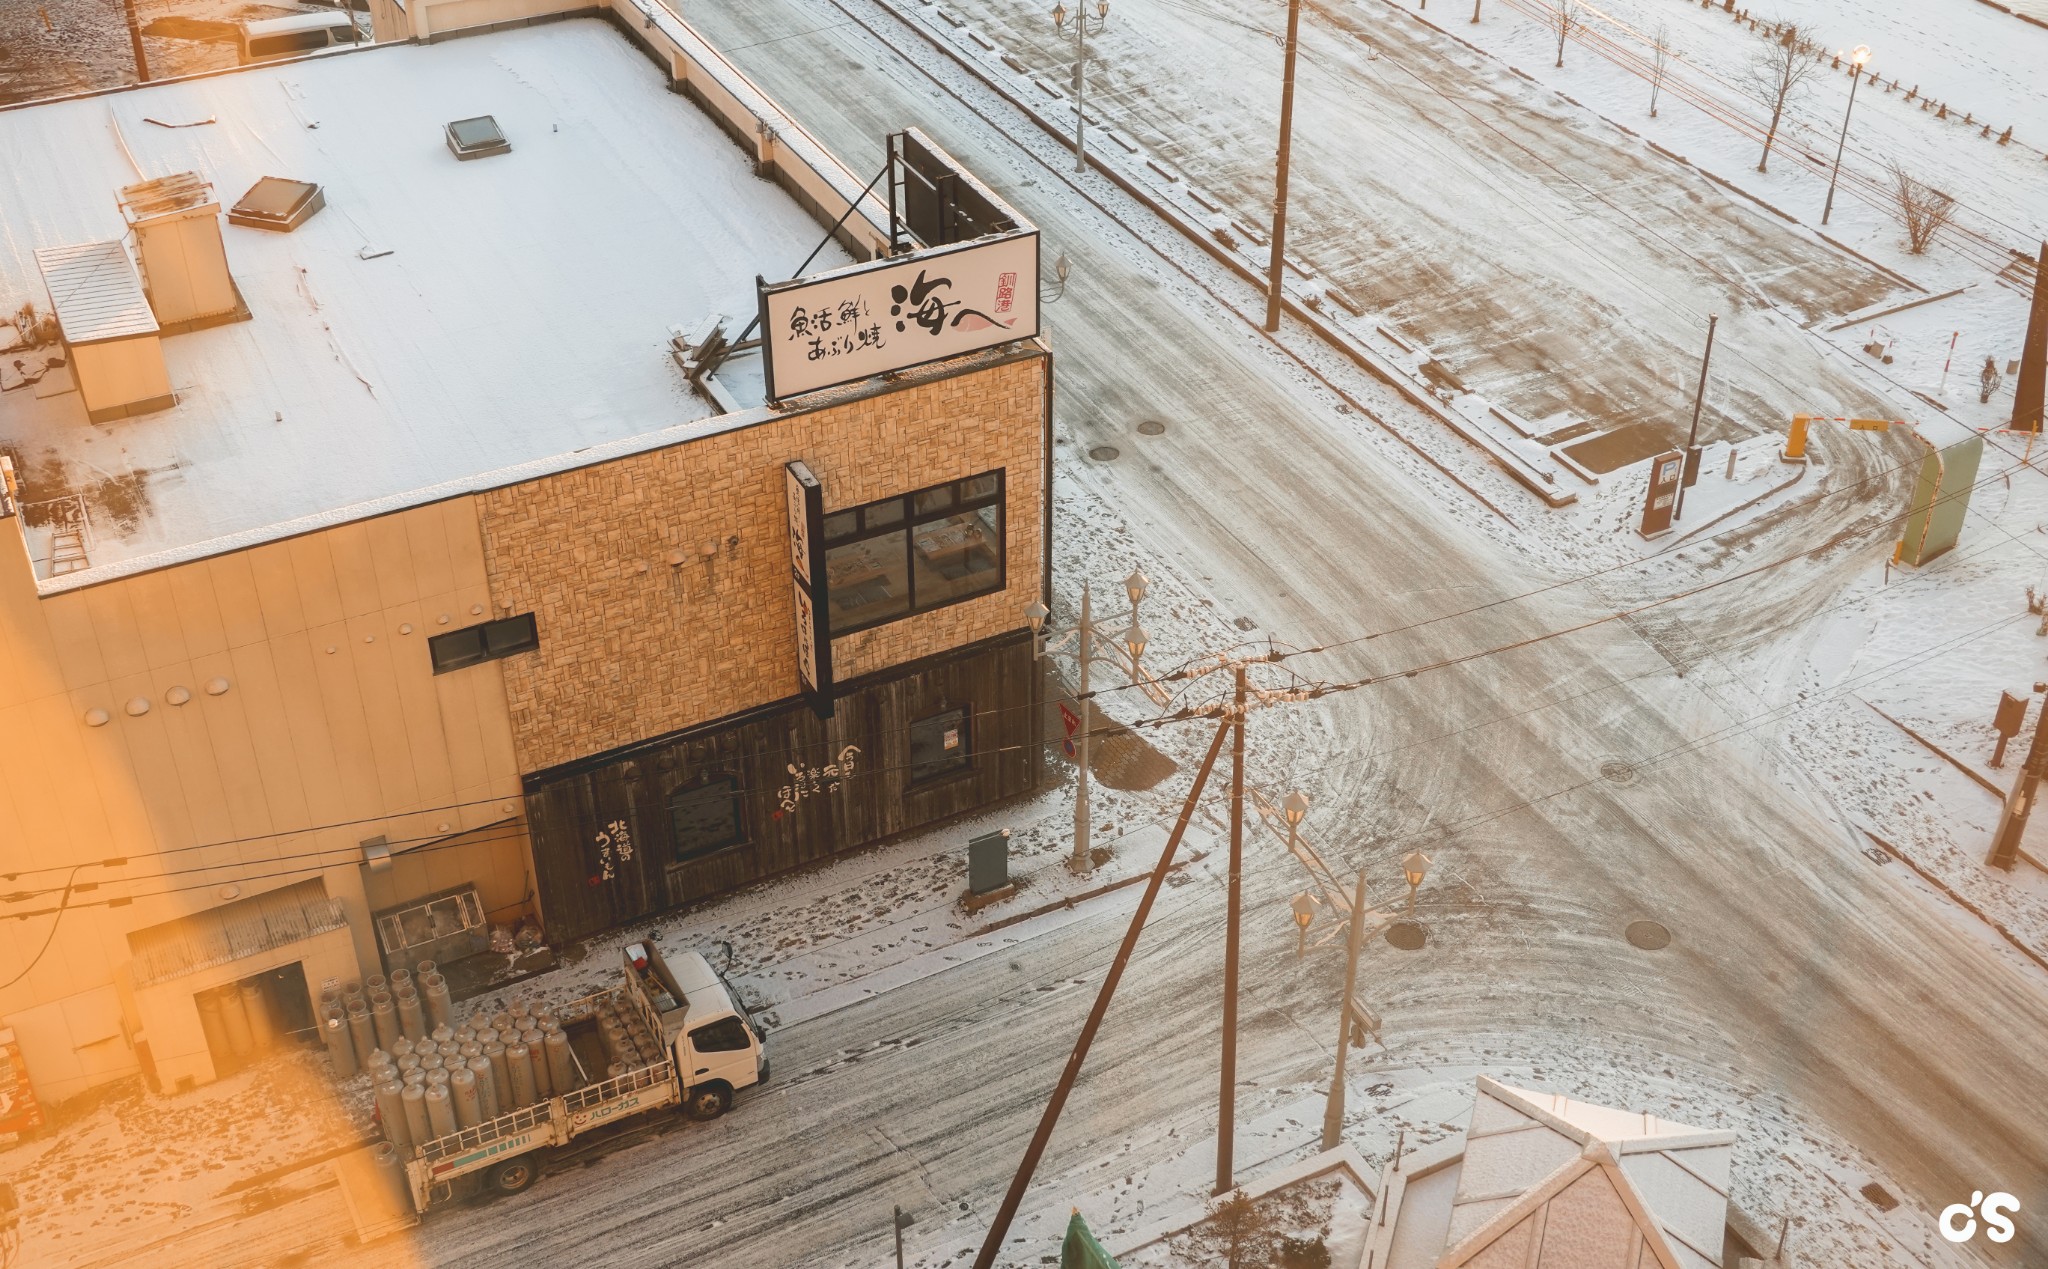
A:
[710,1049]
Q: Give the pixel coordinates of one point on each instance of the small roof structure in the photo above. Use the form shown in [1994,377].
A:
[164,195]
[1540,1181]
[96,292]
[1551,1183]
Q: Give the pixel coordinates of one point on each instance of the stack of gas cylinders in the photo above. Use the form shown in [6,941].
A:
[432,1077]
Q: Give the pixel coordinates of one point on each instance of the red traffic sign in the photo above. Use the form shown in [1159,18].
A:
[1070,719]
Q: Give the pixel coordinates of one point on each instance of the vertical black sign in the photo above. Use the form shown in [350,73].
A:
[807,577]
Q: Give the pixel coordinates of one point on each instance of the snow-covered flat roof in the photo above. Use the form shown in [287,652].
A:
[522,312]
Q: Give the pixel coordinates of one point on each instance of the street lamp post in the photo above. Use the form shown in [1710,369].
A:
[1415,865]
[1333,1107]
[1856,60]
[1081,34]
[1293,809]
[1304,916]
[1083,636]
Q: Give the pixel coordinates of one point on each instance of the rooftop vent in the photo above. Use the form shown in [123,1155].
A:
[277,204]
[476,138]
[176,223]
[110,335]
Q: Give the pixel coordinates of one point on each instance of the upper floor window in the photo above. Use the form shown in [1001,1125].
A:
[487,642]
[914,552]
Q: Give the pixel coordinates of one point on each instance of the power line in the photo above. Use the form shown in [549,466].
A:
[464,838]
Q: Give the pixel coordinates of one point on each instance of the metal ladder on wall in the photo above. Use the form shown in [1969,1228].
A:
[68,530]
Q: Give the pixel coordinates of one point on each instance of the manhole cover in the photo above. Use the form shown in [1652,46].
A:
[1152,427]
[1616,771]
[1104,453]
[1880,1197]
[1407,935]
[1648,935]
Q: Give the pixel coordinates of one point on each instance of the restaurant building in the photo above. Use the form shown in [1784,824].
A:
[495,497]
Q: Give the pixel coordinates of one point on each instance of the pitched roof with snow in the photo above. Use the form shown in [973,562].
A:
[1550,1183]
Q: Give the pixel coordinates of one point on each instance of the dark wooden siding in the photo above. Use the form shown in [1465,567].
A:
[998,680]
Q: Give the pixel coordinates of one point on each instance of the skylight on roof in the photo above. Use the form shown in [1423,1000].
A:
[277,203]
[475,138]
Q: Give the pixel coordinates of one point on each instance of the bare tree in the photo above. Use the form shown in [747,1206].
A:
[1660,57]
[1922,208]
[1564,19]
[1245,1226]
[1775,77]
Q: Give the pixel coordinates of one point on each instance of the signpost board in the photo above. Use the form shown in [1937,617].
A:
[897,312]
[1941,499]
[1072,723]
[1666,470]
[807,578]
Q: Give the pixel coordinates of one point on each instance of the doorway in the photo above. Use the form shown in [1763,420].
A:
[250,1017]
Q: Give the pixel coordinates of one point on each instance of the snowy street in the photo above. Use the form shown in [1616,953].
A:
[1754,732]
[1794,960]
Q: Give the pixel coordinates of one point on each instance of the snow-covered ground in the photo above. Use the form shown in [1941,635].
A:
[1975,61]
[1931,648]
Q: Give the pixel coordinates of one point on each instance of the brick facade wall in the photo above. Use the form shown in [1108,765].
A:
[632,646]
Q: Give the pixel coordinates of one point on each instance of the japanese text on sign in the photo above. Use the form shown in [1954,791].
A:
[614,841]
[812,781]
[899,311]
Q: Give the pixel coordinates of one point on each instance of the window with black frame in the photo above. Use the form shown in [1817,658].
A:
[473,645]
[940,745]
[914,552]
[705,816]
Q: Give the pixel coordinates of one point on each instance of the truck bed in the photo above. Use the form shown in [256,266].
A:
[554,1121]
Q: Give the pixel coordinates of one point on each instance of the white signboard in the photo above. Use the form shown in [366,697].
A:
[904,311]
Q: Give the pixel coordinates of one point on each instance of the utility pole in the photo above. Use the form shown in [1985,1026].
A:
[1280,194]
[1080,862]
[1699,399]
[1333,1109]
[1059,20]
[2012,822]
[999,1229]
[2027,394]
[1226,1123]
[135,42]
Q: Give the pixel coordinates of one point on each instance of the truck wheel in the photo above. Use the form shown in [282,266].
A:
[708,1101]
[513,1175]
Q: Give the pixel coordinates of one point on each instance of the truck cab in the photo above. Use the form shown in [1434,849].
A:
[717,1046]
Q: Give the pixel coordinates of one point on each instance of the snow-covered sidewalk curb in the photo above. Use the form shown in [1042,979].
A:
[1135,855]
